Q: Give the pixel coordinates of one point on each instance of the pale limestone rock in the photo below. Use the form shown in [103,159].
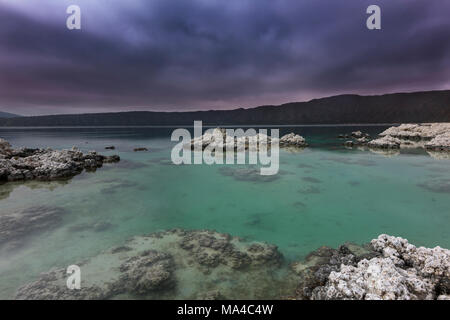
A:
[385,142]
[404,272]
[439,143]
[293,140]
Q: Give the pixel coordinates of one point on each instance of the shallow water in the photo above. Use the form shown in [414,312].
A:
[324,195]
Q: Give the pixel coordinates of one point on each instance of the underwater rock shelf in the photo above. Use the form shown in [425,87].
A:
[204,264]
[46,164]
[170,264]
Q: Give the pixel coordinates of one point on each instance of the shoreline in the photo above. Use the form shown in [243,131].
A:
[164,264]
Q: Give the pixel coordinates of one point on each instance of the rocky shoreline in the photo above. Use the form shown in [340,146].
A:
[46,164]
[389,268]
[203,264]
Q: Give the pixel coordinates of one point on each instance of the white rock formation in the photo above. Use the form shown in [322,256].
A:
[432,136]
[439,143]
[293,140]
[219,140]
[425,131]
[385,142]
[46,164]
[404,272]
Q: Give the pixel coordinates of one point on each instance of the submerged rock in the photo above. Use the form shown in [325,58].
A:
[249,174]
[202,264]
[46,164]
[219,140]
[401,272]
[17,226]
[149,271]
[439,143]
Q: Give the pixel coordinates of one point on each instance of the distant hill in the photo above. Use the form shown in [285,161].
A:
[8,115]
[430,106]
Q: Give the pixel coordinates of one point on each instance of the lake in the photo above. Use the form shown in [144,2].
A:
[324,195]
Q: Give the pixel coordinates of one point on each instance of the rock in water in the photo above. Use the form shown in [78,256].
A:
[402,272]
[386,142]
[171,265]
[439,143]
[434,137]
[46,164]
[293,140]
[16,226]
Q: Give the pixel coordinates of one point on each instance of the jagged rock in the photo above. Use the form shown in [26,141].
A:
[358,139]
[385,142]
[204,264]
[417,131]
[218,139]
[211,249]
[439,143]
[403,272]
[434,137]
[375,279]
[150,271]
[4,146]
[293,140]
[110,148]
[47,164]
[317,266]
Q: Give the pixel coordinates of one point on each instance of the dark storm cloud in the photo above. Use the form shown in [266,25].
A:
[201,54]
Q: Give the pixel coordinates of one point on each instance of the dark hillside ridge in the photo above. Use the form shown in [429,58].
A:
[8,115]
[430,106]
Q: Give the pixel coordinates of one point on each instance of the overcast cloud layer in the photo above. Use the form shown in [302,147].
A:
[214,54]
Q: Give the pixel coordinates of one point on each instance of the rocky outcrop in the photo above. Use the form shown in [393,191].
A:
[315,270]
[357,139]
[432,136]
[17,226]
[46,164]
[385,142]
[417,132]
[439,143]
[218,139]
[401,272]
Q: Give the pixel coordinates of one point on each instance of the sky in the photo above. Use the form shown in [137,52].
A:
[179,55]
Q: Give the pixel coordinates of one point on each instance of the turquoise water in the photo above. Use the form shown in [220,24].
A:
[324,195]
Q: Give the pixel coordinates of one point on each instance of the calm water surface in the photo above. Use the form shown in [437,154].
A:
[324,195]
